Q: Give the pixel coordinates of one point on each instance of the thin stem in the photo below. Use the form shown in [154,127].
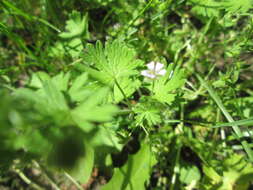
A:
[73,181]
[175,170]
[204,124]
[124,112]
[27,180]
[144,130]
[75,62]
[47,174]
[122,92]
[152,87]
[222,131]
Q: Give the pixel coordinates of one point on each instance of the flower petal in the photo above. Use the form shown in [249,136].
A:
[146,73]
[151,65]
[158,66]
[162,72]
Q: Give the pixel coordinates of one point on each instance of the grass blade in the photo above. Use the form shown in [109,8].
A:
[235,127]
[238,123]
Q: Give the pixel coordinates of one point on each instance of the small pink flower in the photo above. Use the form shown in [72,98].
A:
[155,69]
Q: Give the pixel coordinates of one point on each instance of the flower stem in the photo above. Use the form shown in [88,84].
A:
[73,181]
[122,92]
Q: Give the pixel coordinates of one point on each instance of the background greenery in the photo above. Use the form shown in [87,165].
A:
[77,114]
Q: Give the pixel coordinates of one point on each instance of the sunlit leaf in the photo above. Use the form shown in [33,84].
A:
[134,173]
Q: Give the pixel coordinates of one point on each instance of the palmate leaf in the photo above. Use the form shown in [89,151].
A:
[147,113]
[61,80]
[76,29]
[164,88]
[78,90]
[71,136]
[91,111]
[49,99]
[76,26]
[114,65]
[128,86]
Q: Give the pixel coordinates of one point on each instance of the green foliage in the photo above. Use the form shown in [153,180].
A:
[71,41]
[114,65]
[50,99]
[81,171]
[235,174]
[212,8]
[189,174]
[75,26]
[206,8]
[135,172]
[237,6]
[77,108]
[66,139]
[164,88]
[147,113]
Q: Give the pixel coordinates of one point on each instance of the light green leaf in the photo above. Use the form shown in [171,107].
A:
[189,173]
[38,78]
[76,26]
[83,167]
[211,174]
[93,110]
[128,87]
[134,173]
[48,101]
[73,47]
[236,6]
[237,173]
[206,8]
[116,66]
[54,97]
[61,81]
[105,136]
[147,113]
[164,88]
[78,90]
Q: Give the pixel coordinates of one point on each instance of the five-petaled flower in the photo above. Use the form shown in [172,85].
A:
[155,69]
